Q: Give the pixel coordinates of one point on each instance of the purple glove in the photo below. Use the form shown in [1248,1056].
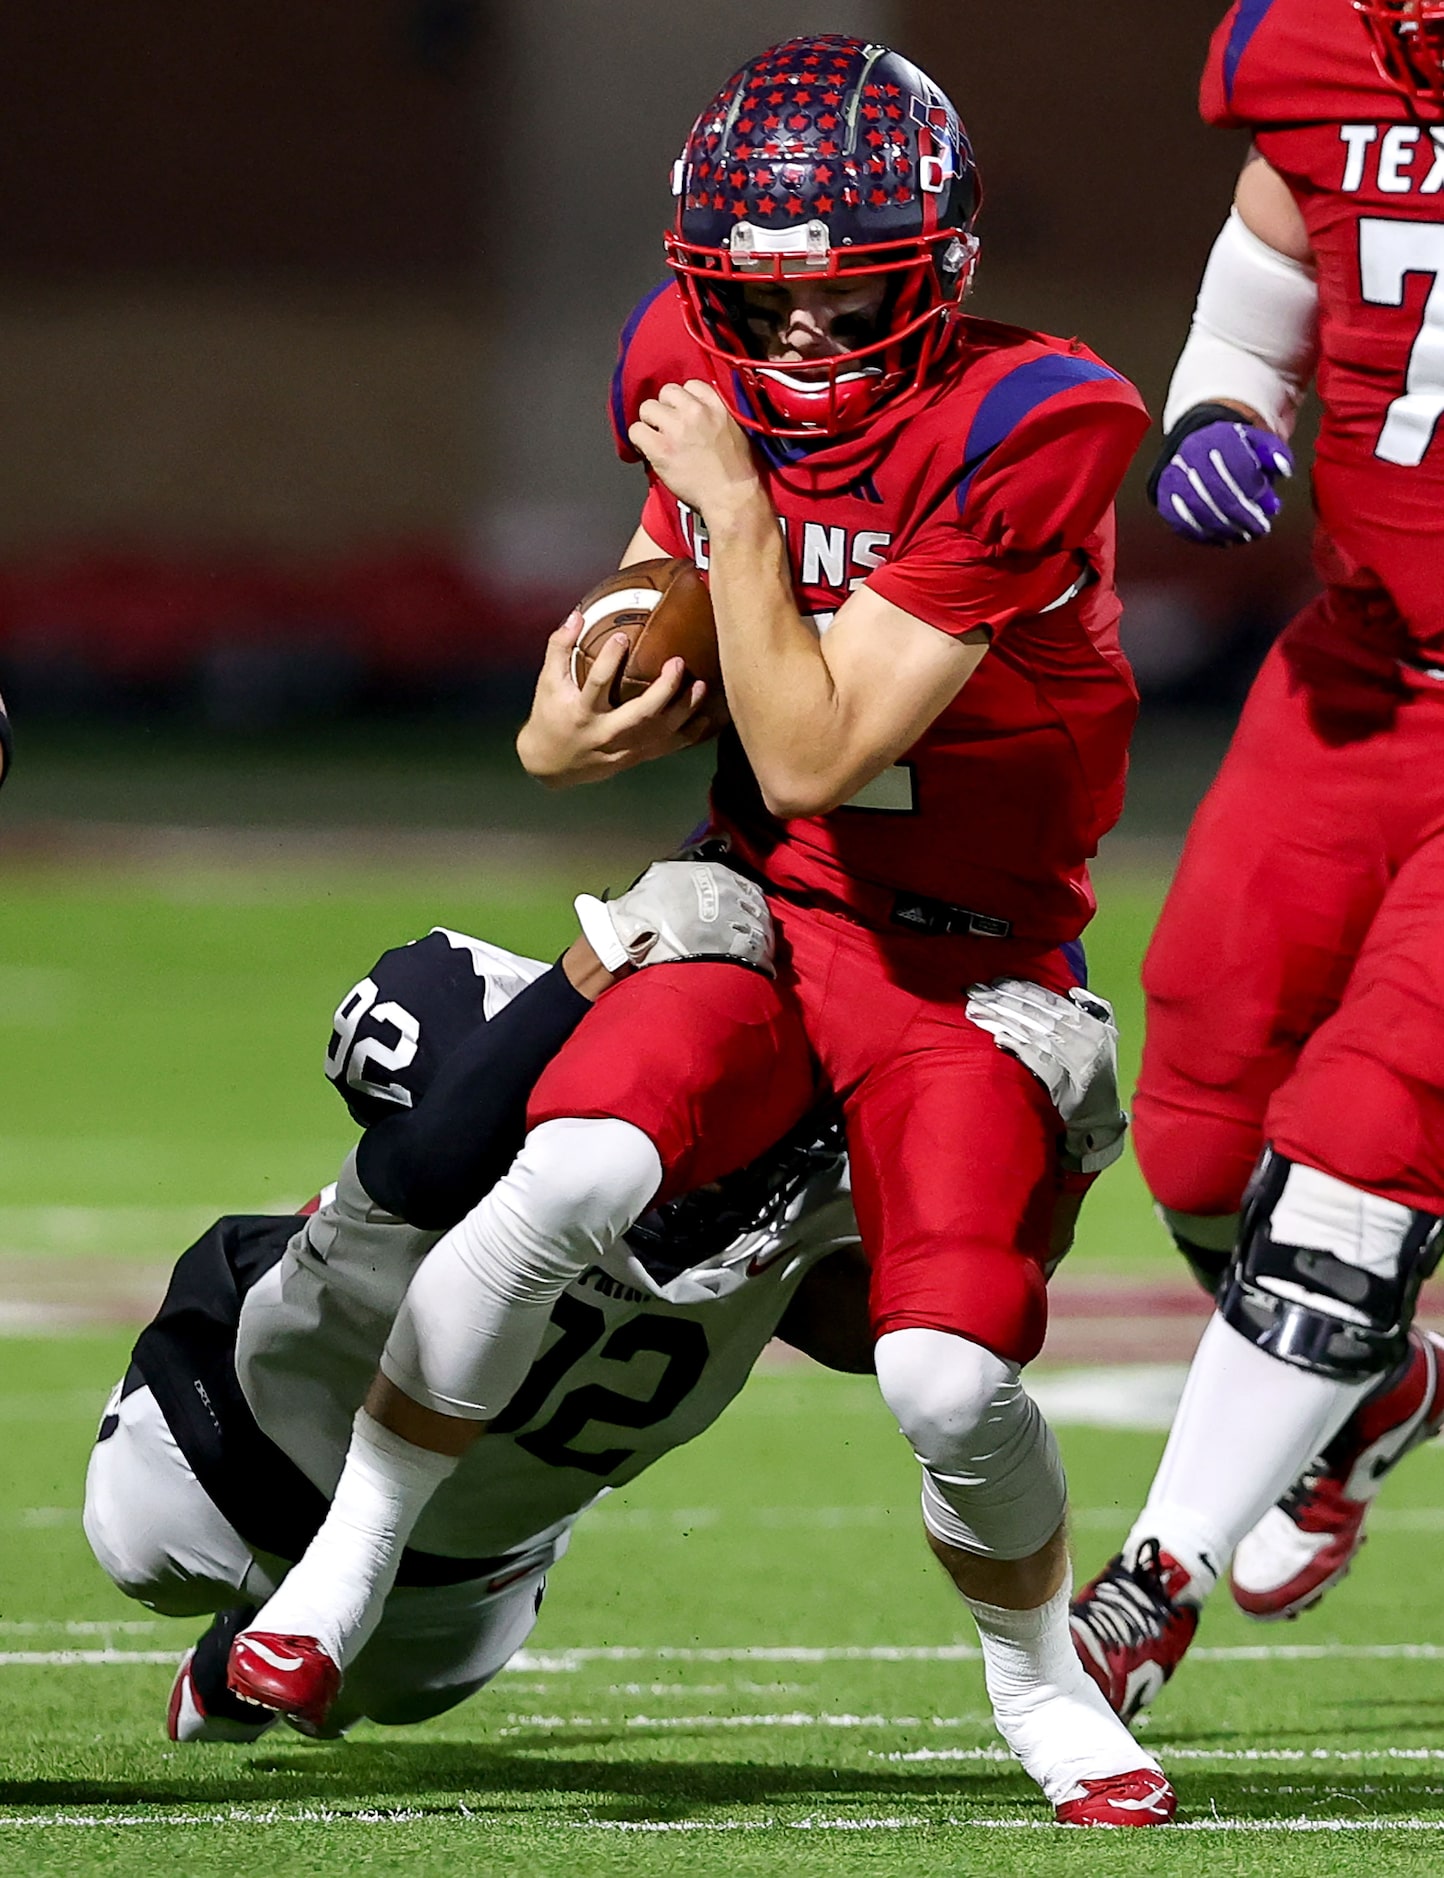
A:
[1218,486]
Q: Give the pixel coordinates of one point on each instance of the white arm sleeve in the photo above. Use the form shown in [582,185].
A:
[1254,335]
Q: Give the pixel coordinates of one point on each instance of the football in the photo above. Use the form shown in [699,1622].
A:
[664,609]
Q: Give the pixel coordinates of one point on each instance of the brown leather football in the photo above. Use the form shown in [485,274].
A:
[664,609]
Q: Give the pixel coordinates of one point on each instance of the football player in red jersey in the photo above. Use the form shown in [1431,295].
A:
[931,719]
[1290,1115]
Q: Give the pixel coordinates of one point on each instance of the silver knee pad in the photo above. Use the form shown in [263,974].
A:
[1326,1276]
[993,1481]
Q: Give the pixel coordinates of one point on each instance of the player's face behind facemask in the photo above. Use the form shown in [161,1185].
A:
[822,162]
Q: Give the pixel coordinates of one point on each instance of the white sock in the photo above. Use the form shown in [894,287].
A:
[337,1591]
[1245,1429]
[1048,1709]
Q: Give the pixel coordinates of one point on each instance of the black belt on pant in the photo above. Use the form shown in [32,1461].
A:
[914,911]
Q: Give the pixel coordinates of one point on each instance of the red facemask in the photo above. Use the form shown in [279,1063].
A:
[927,277]
[1408,40]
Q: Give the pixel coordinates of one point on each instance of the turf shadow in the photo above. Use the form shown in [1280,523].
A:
[378,1775]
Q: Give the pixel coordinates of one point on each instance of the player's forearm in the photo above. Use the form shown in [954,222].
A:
[784,703]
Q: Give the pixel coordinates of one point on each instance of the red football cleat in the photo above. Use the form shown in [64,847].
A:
[1141,1799]
[1129,1629]
[292,1675]
[1305,1544]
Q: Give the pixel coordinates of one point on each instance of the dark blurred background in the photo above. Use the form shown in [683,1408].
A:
[306,320]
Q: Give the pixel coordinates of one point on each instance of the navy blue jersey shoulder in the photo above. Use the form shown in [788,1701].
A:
[393,1030]
[1015,397]
[1246,22]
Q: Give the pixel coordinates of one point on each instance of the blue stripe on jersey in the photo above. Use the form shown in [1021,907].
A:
[1072,950]
[624,344]
[1246,22]
[1013,398]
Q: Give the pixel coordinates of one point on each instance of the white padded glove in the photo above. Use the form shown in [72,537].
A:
[680,910]
[1071,1046]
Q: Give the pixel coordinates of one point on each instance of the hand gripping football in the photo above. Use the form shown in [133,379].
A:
[665,612]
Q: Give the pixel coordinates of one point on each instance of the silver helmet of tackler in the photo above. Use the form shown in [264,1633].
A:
[822,157]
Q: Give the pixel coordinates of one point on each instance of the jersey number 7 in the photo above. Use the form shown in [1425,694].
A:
[1389,252]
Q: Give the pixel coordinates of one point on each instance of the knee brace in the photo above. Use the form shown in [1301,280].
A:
[992,1479]
[1206,1241]
[1326,1275]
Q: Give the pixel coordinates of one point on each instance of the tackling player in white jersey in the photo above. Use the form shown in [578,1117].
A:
[220,1447]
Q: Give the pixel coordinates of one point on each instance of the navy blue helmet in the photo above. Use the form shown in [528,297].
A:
[823,157]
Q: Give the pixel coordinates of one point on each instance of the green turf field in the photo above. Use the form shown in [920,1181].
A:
[747,1664]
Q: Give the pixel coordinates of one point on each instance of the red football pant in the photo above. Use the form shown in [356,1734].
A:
[953,1144]
[1295,984]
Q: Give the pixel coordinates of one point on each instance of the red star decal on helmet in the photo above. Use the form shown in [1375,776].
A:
[776,97]
[744,124]
[824,173]
[763,178]
[739,209]
[871,111]
[850,197]
[878,197]
[704,168]
[827,147]
[827,121]
[812,59]
[874,137]
[794,205]
[871,91]
[771,123]
[903,195]
[798,121]
[719,201]
[893,91]
[894,110]
[824,205]
[766,206]
[832,97]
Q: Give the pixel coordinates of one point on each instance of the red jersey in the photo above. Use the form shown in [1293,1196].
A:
[1368,176]
[984,500]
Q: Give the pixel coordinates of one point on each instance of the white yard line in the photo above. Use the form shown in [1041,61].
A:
[565,1662]
[1294,1756]
[406,1816]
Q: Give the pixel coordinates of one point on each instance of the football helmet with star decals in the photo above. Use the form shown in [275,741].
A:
[823,158]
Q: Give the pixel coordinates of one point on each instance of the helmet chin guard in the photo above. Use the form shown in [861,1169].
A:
[824,158]
[1408,43]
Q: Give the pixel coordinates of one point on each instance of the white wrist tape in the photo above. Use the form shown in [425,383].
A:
[1254,336]
[599,932]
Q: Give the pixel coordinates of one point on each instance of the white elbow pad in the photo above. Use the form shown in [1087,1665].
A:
[1254,335]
